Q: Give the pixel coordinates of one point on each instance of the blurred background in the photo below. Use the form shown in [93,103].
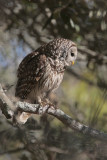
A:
[24,26]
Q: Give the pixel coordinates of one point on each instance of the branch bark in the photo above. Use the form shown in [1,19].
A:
[9,110]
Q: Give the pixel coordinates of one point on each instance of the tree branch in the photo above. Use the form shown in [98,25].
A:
[12,151]
[9,111]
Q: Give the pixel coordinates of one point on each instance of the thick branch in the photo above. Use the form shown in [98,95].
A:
[6,108]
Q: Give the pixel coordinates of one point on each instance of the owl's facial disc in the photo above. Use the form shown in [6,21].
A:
[71,56]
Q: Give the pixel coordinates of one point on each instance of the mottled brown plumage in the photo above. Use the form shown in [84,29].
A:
[41,71]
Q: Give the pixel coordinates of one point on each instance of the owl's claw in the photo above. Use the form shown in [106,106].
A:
[46,102]
[42,103]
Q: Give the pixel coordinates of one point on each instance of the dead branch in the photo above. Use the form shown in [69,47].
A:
[9,111]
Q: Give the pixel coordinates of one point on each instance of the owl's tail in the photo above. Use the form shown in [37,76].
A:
[21,117]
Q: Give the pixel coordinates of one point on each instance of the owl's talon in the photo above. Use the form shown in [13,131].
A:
[46,104]
[43,103]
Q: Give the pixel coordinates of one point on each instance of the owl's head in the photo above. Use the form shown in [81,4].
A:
[62,49]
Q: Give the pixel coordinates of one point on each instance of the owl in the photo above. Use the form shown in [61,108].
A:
[41,71]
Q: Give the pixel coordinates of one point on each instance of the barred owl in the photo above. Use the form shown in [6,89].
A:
[41,71]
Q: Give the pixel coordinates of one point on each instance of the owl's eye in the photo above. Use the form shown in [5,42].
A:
[72,54]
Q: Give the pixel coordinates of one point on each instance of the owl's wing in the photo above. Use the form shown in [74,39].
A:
[29,72]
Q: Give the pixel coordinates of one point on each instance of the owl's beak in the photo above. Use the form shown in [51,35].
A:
[72,62]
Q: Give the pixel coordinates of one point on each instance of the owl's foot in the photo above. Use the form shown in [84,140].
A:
[47,102]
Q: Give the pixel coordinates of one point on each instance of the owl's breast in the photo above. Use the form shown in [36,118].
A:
[51,79]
